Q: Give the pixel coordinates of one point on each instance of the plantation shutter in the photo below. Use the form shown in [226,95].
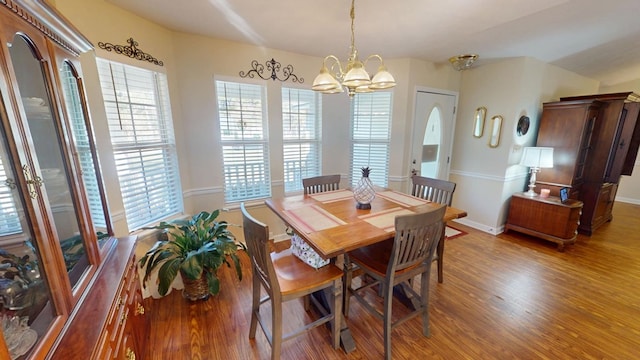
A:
[245,146]
[301,114]
[370,136]
[139,116]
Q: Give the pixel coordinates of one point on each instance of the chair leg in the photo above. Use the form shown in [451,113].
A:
[276,328]
[336,323]
[440,252]
[347,271]
[424,302]
[306,301]
[388,321]
[255,307]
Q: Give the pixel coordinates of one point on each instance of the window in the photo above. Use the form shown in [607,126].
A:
[243,136]
[138,111]
[370,136]
[301,114]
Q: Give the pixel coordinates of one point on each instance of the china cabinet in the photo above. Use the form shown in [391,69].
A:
[595,140]
[57,249]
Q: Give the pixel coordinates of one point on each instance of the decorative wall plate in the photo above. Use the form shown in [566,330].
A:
[523,125]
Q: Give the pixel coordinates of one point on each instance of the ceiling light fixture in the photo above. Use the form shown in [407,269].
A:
[353,76]
[463,62]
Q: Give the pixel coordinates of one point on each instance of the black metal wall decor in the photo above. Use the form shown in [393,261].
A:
[274,67]
[131,51]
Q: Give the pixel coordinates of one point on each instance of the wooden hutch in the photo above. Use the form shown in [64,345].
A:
[68,287]
[595,140]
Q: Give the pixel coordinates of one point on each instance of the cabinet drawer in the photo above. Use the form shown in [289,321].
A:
[546,218]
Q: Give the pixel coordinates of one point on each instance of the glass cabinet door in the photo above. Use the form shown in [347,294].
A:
[26,309]
[48,154]
[86,152]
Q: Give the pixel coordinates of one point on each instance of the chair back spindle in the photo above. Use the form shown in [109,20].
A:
[321,183]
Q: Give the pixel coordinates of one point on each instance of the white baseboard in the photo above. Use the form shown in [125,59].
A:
[628,200]
[481,227]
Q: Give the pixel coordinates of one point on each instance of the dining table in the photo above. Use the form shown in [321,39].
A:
[332,225]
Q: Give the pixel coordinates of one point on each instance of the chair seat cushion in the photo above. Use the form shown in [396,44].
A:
[294,275]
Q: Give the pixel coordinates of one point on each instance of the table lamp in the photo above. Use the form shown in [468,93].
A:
[536,158]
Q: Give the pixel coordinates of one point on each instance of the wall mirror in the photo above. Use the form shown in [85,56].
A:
[478,122]
[495,128]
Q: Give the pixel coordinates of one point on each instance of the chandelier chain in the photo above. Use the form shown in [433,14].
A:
[353,28]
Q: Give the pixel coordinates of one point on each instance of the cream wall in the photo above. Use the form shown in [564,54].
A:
[486,177]
[191,63]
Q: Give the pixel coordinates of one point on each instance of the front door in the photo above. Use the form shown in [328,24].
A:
[433,128]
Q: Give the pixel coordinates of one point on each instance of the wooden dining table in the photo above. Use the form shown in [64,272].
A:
[332,225]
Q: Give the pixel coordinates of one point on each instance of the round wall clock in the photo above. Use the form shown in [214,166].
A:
[523,125]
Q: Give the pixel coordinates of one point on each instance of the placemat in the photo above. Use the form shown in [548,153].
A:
[402,199]
[331,196]
[313,218]
[385,219]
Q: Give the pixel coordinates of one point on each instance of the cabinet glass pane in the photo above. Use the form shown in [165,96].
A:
[86,151]
[49,156]
[26,310]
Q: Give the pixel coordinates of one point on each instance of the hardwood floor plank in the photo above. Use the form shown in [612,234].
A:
[509,296]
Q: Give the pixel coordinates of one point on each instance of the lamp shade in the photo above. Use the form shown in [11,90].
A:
[382,79]
[537,157]
[325,81]
[356,76]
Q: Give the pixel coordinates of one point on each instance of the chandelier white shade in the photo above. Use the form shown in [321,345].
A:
[536,158]
[334,77]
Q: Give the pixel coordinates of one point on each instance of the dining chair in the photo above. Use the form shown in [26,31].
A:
[436,190]
[321,183]
[284,277]
[394,263]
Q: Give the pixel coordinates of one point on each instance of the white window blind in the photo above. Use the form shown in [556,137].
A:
[81,140]
[139,114]
[301,114]
[9,219]
[245,145]
[370,136]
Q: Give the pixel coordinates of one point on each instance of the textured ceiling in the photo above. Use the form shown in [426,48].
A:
[596,38]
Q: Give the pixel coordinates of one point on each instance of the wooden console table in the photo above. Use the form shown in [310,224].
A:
[546,218]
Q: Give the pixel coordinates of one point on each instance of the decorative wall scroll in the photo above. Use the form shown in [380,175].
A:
[274,67]
[131,51]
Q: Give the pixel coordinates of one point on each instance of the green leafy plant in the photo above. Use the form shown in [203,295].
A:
[194,247]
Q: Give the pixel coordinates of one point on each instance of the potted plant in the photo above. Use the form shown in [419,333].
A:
[195,248]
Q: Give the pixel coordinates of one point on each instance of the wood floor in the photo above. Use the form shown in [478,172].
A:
[504,297]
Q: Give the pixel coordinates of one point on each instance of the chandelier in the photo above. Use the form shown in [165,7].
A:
[353,76]
[463,62]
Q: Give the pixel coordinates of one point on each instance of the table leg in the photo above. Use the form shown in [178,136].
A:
[346,338]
